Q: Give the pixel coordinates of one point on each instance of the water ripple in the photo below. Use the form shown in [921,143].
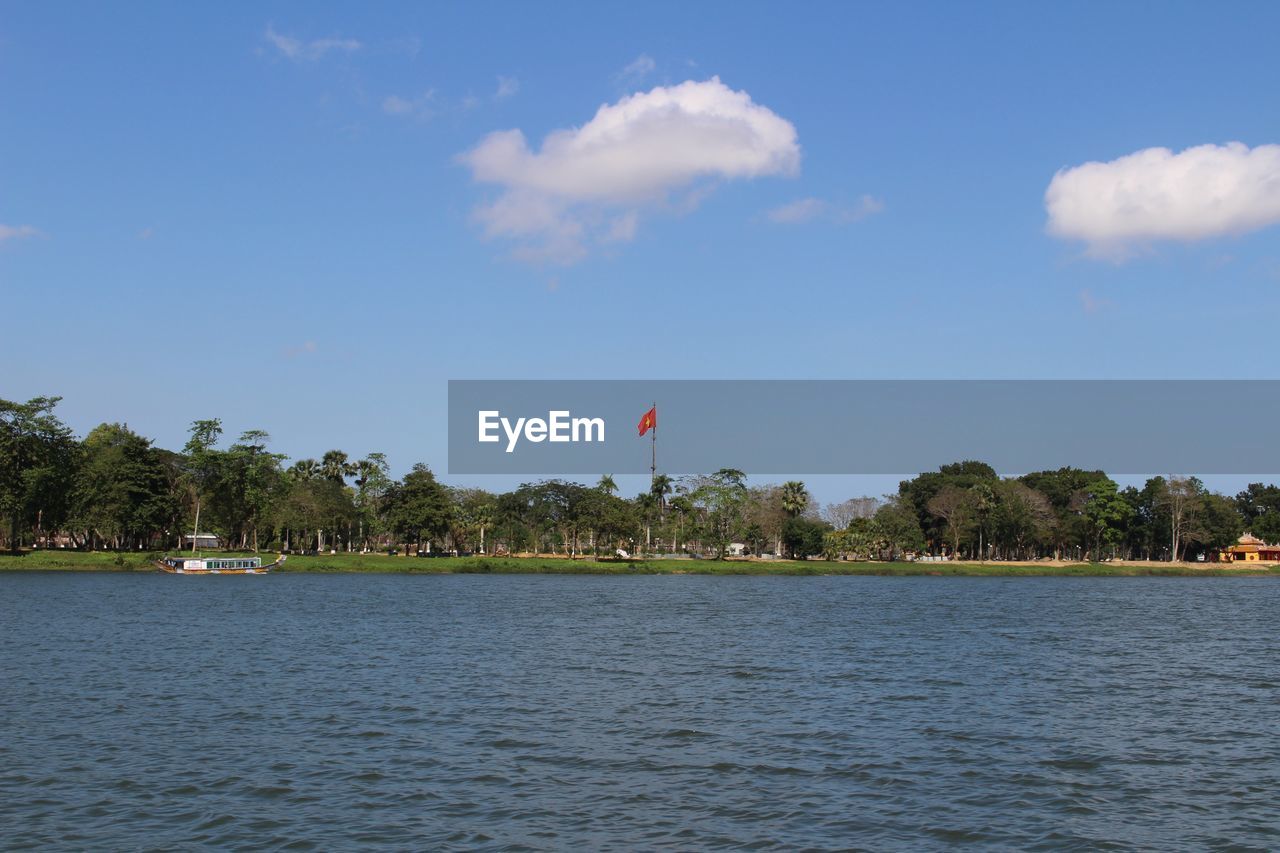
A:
[542,713]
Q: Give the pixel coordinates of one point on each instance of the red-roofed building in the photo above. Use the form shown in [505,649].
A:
[1251,549]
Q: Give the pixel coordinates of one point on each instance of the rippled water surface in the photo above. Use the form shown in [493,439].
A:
[689,712]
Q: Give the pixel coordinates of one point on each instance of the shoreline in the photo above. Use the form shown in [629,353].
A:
[127,563]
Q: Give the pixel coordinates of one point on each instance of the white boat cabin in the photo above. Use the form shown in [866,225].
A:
[214,564]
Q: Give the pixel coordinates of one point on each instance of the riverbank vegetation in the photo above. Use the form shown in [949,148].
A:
[105,561]
[115,490]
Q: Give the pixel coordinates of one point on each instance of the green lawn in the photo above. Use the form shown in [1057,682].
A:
[380,563]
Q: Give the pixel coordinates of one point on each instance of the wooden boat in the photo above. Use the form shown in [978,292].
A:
[216,565]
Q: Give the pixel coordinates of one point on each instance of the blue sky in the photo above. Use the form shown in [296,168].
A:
[268,213]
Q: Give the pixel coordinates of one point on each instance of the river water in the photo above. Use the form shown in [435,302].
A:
[548,712]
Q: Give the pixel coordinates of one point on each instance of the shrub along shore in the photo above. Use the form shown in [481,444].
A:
[106,561]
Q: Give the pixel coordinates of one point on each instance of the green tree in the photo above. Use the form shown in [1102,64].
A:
[1181,499]
[419,507]
[1107,513]
[681,508]
[253,480]
[863,538]
[1021,517]
[1218,524]
[373,480]
[610,519]
[1067,491]
[203,466]
[897,529]
[37,461]
[473,516]
[721,497]
[955,506]
[803,537]
[920,491]
[1259,509]
[122,494]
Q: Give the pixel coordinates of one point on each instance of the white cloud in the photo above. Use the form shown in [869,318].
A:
[590,184]
[810,209]
[17,232]
[421,106]
[308,51]
[507,86]
[635,71]
[1154,194]
[802,210]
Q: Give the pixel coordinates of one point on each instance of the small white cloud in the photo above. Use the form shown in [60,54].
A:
[803,210]
[590,184]
[13,233]
[422,106]
[810,209]
[308,51]
[507,86]
[636,71]
[866,206]
[1153,195]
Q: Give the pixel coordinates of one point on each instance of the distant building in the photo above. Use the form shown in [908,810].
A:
[203,540]
[1251,549]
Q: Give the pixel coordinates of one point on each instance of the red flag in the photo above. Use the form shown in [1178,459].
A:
[649,421]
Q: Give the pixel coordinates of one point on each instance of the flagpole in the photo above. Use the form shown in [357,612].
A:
[653,465]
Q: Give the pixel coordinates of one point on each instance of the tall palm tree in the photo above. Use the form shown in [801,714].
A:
[334,466]
[795,498]
[483,519]
[682,507]
[305,469]
[607,485]
[647,502]
[662,486]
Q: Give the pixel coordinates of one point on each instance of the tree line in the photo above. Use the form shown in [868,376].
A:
[114,489]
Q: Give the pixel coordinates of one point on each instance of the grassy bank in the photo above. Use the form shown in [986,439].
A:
[382,564]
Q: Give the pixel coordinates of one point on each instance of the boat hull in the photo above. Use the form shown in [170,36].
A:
[170,569]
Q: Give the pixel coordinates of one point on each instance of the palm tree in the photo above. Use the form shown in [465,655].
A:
[647,502]
[683,507]
[662,486]
[305,469]
[334,466]
[483,519]
[795,498]
[607,485]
